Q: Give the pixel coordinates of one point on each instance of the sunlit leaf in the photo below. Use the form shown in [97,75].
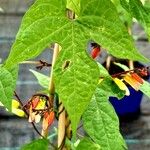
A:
[87,144]
[8,79]
[145,88]
[40,144]
[100,120]
[124,67]
[74,5]
[138,11]
[43,80]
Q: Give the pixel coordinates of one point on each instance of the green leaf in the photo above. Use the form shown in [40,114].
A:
[138,11]
[102,24]
[46,22]
[40,144]
[100,121]
[111,88]
[43,80]
[124,67]
[103,71]
[87,144]
[7,85]
[123,14]
[74,5]
[145,88]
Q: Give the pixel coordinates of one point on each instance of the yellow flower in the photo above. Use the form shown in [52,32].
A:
[122,86]
[16,110]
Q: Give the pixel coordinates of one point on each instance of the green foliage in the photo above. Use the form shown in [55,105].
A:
[40,144]
[76,75]
[124,67]
[145,88]
[138,11]
[43,80]
[100,120]
[87,144]
[74,5]
[46,22]
[8,79]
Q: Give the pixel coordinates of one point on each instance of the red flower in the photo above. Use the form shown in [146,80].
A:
[96,50]
[48,119]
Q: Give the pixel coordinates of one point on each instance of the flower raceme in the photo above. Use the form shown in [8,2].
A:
[37,103]
[38,108]
[133,79]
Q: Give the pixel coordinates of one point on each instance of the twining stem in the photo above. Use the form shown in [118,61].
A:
[51,84]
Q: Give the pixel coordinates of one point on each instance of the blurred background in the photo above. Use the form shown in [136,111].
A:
[15,131]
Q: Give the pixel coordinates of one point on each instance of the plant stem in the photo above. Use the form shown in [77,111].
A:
[30,62]
[51,84]
[61,127]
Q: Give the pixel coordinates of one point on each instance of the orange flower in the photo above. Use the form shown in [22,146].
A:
[48,119]
[137,77]
[132,81]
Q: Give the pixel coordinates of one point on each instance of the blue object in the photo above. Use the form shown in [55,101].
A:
[129,104]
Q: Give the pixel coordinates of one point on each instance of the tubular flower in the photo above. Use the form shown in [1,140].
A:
[96,50]
[36,105]
[137,77]
[48,119]
[132,81]
[122,86]
[16,110]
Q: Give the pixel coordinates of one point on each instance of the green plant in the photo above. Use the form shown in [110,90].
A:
[74,80]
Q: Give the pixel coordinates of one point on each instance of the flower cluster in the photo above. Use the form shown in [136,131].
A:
[132,78]
[36,108]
